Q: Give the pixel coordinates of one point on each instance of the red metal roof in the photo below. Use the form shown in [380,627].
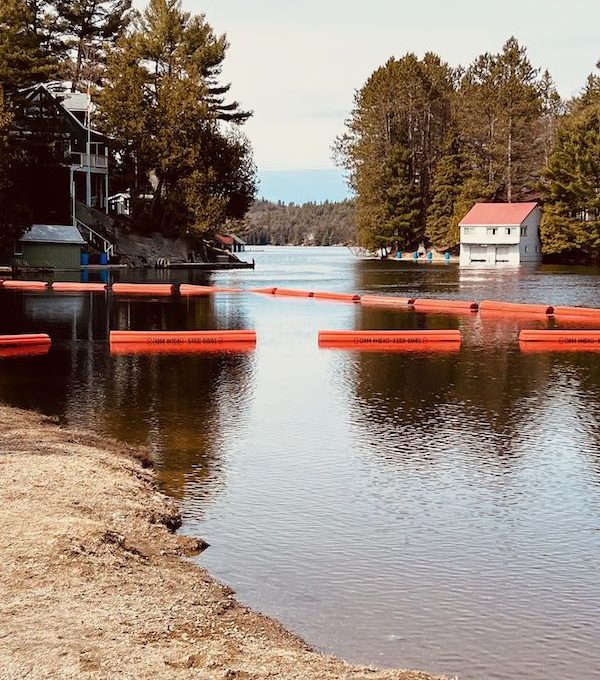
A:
[225,240]
[498,214]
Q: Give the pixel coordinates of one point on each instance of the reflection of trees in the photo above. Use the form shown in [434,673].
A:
[181,406]
[481,397]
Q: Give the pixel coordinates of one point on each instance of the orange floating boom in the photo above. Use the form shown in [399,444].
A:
[24,340]
[588,312]
[192,289]
[68,287]
[174,338]
[25,285]
[515,307]
[388,338]
[142,288]
[464,305]
[386,301]
[343,297]
[565,338]
[292,292]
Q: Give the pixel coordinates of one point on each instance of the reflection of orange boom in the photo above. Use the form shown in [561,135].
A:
[25,351]
[153,348]
[449,305]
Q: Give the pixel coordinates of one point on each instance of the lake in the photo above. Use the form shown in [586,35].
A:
[437,511]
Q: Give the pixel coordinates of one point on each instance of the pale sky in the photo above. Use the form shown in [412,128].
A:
[297,64]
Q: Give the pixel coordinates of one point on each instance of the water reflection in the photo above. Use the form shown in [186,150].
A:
[428,510]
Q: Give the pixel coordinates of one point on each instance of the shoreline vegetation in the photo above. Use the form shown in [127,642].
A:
[95,581]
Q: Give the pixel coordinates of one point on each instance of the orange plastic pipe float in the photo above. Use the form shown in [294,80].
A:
[25,285]
[386,301]
[342,297]
[292,292]
[463,305]
[387,338]
[68,287]
[515,307]
[582,312]
[142,288]
[25,339]
[154,348]
[179,338]
[192,289]
[581,339]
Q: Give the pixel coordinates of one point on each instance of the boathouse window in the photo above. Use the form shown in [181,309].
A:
[523,231]
[18,250]
[467,231]
[492,231]
[508,230]
[526,248]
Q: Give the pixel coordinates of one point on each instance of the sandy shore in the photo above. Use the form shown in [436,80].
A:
[94,583]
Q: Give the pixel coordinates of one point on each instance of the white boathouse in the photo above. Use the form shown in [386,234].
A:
[494,234]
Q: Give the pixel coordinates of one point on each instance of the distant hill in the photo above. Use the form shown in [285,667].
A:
[319,224]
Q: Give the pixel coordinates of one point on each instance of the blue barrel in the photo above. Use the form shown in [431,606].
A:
[447,256]
[430,256]
[415,255]
[85,258]
[103,259]
[399,255]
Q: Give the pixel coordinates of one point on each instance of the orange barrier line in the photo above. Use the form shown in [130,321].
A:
[515,307]
[292,292]
[142,288]
[446,304]
[68,287]
[174,338]
[388,338]
[25,285]
[587,312]
[192,289]
[24,339]
[448,347]
[154,348]
[266,291]
[386,301]
[342,297]
[561,337]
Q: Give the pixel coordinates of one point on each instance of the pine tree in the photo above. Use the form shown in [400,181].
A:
[392,146]
[160,104]
[571,221]
[450,176]
[89,29]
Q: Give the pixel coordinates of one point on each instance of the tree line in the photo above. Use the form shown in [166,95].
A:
[426,140]
[155,77]
[315,224]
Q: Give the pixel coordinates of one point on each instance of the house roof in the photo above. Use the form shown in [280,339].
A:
[225,240]
[53,233]
[498,214]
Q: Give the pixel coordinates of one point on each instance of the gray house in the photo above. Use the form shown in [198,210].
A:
[49,245]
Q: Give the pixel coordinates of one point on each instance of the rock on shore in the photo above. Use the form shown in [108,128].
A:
[94,583]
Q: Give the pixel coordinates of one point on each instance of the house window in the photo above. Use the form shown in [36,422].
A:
[508,230]
[523,231]
[467,231]
[526,247]
[492,231]
[18,250]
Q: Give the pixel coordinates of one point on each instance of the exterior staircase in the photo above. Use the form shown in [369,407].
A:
[96,228]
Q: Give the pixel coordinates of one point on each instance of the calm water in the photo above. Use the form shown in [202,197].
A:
[433,511]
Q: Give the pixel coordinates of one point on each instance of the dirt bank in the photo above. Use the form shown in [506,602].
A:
[94,583]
